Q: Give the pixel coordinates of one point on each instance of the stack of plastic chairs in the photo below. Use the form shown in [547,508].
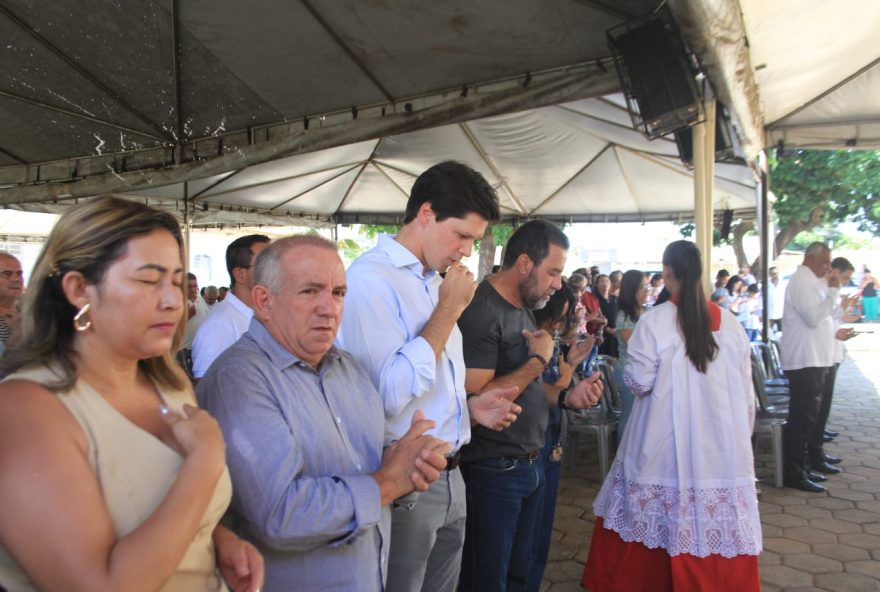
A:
[770,415]
[600,420]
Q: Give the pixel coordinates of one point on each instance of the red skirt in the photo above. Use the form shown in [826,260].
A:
[616,566]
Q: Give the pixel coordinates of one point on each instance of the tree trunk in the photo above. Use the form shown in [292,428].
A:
[739,231]
[487,256]
[787,234]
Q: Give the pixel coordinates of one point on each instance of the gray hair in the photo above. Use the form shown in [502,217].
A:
[577,278]
[268,270]
[815,249]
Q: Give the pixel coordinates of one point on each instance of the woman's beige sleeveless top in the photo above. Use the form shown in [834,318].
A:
[135,470]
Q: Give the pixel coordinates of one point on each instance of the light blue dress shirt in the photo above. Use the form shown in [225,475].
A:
[388,303]
[300,446]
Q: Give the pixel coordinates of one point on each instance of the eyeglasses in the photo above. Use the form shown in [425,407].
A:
[8,274]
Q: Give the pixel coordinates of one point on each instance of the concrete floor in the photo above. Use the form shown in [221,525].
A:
[822,542]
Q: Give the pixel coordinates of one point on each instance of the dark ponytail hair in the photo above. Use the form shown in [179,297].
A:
[683,259]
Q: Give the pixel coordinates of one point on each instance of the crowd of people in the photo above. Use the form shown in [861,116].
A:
[395,426]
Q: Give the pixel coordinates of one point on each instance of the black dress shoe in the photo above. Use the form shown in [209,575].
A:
[827,438]
[804,485]
[831,459]
[816,477]
[832,434]
[824,467]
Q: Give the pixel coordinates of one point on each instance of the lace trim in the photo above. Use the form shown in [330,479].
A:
[699,522]
[634,386]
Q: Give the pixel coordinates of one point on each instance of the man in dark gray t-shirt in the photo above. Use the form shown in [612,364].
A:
[493,338]
[503,471]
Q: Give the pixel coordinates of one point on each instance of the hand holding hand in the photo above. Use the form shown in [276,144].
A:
[495,408]
[413,462]
[457,288]
[239,562]
[540,342]
[585,393]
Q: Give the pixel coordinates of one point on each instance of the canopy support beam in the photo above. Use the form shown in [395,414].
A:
[704,180]
[766,250]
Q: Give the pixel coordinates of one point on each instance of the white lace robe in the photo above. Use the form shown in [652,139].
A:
[683,478]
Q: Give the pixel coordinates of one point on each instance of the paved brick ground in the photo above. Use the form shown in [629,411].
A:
[821,542]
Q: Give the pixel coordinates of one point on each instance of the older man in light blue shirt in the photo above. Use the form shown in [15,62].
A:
[304,431]
[400,324]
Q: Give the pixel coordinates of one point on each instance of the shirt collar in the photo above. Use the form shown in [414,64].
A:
[237,304]
[278,355]
[402,257]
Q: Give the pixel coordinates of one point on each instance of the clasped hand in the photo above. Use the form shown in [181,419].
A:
[495,408]
[414,461]
[585,393]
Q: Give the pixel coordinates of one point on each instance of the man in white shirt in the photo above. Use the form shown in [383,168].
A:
[775,299]
[197,310]
[228,320]
[807,357]
[400,324]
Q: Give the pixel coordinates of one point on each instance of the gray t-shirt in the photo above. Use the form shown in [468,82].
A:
[492,331]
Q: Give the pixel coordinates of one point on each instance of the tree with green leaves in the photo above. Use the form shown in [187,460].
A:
[816,188]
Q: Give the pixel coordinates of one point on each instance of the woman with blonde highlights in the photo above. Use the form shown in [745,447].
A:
[110,477]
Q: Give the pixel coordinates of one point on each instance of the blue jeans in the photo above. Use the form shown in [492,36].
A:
[504,500]
[552,473]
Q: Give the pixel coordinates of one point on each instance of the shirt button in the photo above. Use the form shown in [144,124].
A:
[359,468]
[338,420]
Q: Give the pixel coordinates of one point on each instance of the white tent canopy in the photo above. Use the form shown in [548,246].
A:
[325,111]
[579,161]
[806,71]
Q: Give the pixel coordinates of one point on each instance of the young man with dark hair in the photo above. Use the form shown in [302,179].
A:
[454,190]
[839,316]
[228,321]
[400,325]
[503,470]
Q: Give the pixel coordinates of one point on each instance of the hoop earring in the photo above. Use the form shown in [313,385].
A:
[77,320]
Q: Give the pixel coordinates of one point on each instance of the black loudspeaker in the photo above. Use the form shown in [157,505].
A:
[657,76]
[727,146]
[726,221]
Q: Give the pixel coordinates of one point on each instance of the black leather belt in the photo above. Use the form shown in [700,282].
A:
[453,461]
